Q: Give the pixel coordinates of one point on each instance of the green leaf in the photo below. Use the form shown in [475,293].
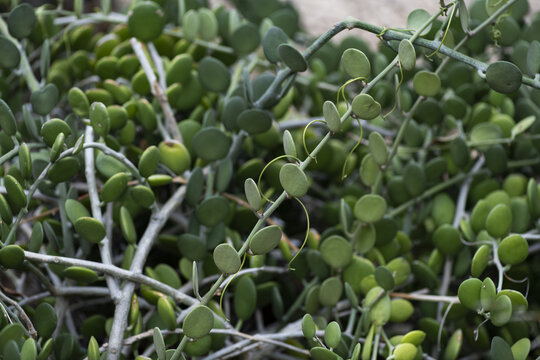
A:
[293,180]
[332,335]
[533,58]
[503,77]
[292,58]
[521,349]
[308,327]
[146,21]
[336,251]
[45,320]
[273,38]
[407,54]
[416,19]
[355,63]
[245,297]
[213,74]
[159,343]
[469,293]
[370,208]
[384,278]
[226,259]
[500,350]
[7,119]
[265,240]
[523,125]
[198,322]
[426,83]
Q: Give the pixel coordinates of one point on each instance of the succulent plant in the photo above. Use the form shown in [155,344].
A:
[180,181]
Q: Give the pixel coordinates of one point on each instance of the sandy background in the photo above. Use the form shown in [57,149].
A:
[317,16]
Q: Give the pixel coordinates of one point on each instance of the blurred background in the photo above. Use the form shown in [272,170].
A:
[316,16]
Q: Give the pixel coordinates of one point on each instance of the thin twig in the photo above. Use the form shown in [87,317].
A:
[104,244]
[121,312]
[157,90]
[422,297]
[22,314]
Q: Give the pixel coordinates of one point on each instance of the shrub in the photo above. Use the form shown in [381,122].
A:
[185,181]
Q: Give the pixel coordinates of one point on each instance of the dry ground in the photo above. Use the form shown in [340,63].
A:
[317,16]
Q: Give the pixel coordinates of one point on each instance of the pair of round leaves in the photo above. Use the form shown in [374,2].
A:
[293,180]
[89,228]
[57,147]
[500,350]
[211,144]
[365,107]
[52,128]
[503,77]
[213,75]
[380,306]
[370,208]
[202,22]
[475,294]
[355,63]
[199,322]
[146,21]
[44,99]
[265,240]
[273,38]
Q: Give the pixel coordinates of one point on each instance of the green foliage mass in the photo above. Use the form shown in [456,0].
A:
[179,181]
